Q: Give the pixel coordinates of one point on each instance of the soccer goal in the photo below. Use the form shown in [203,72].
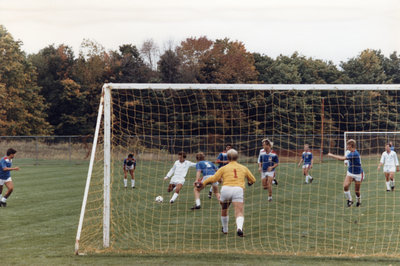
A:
[155,122]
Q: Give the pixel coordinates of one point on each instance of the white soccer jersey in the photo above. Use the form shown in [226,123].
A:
[389,159]
[179,170]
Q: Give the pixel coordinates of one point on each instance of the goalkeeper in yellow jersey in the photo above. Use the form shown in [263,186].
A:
[233,177]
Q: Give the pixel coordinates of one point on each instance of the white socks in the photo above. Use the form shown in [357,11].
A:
[306,179]
[198,202]
[3,199]
[224,221]
[388,185]
[125,182]
[358,199]
[239,222]
[347,194]
[133,182]
[174,196]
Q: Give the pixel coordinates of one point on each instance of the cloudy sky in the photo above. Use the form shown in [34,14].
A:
[331,30]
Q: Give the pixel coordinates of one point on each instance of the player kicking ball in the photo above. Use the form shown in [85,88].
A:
[178,173]
[207,169]
[232,191]
[129,166]
[267,162]
[5,175]
[390,164]
[354,172]
[307,160]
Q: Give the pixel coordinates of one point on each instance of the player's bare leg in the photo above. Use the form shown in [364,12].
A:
[177,190]
[269,187]
[10,188]
[239,214]
[391,177]
[346,187]
[125,178]
[197,199]
[357,188]
[387,177]
[132,173]
[224,216]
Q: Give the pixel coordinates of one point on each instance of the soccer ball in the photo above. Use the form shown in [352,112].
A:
[159,199]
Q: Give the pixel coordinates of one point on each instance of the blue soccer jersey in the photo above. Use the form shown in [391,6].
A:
[207,168]
[130,162]
[5,163]
[267,160]
[354,163]
[223,156]
[307,157]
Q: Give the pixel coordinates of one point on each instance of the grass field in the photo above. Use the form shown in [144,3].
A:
[40,221]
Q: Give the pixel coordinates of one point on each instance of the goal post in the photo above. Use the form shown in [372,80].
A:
[156,121]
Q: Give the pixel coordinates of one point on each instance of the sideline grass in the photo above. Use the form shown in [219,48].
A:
[39,227]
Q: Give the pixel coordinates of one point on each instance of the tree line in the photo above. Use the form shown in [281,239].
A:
[57,92]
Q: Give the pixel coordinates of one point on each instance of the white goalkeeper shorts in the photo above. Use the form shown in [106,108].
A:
[3,181]
[207,176]
[389,169]
[306,166]
[175,180]
[231,194]
[129,167]
[265,174]
[356,177]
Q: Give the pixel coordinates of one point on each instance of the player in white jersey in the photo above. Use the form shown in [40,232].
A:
[178,173]
[307,159]
[390,164]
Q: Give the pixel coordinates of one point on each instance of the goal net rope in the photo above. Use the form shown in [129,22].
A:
[156,121]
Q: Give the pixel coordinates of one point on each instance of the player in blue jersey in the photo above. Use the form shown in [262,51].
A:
[129,166]
[5,175]
[205,169]
[222,160]
[354,172]
[391,146]
[307,160]
[267,162]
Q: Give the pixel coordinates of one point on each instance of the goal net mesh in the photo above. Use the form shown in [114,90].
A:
[308,219]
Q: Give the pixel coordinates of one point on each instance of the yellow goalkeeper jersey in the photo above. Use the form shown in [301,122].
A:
[233,175]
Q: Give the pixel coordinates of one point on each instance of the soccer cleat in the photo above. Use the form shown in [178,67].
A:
[387,190]
[358,204]
[133,187]
[222,230]
[269,199]
[275,182]
[311,179]
[171,201]
[3,204]
[209,194]
[195,207]
[240,233]
[349,203]
[392,188]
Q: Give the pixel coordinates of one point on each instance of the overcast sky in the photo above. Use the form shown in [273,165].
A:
[331,30]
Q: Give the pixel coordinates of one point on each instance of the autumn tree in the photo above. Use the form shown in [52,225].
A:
[22,108]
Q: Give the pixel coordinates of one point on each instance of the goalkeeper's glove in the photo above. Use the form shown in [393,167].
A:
[249,184]
[165,178]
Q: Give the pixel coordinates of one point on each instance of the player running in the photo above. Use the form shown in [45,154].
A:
[354,172]
[307,158]
[178,173]
[222,160]
[233,176]
[129,166]
[5,175]
[267,162]
[207,169]
[390,164]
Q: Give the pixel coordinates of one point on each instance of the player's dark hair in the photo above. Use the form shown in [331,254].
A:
[200,156]
[182,153]
[390,144]
[11,151]
[130,155]
[230,145]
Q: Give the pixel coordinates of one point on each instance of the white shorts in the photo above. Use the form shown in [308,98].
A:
[131,167]
[306,166]
[207,176]
[389,169]
[175,180]
[3,181]
[231,194]
[356,177]
[265,174]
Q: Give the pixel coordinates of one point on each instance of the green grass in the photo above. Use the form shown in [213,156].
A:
[39,224]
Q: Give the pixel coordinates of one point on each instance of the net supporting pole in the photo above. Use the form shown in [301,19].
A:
[89,175]
[107,165]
